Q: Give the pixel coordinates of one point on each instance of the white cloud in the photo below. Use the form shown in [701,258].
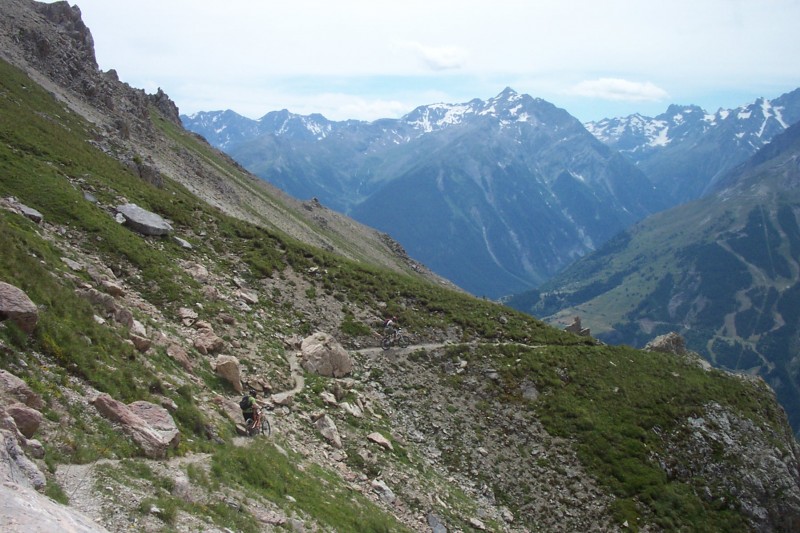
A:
[618,89]
[248,56]
[438,57]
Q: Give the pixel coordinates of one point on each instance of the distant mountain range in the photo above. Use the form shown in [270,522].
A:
[498,195]
[495,195]
[724,271]
[685,149]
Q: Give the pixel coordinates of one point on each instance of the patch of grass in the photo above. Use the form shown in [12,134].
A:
[350,326]
[56,492]
[163,507]
[318,493]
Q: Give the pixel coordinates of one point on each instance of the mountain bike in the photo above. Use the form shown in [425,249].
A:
[397,338]
[259,424]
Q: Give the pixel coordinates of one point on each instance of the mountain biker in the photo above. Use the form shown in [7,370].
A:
[250,406]
[390,326]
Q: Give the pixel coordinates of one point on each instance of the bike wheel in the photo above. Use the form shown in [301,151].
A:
[265,427]
[403,341]
[386,342]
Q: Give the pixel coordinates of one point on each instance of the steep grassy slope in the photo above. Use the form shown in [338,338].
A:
[512,426]
[723,271]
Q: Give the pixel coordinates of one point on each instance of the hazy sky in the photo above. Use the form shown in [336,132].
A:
[369,59]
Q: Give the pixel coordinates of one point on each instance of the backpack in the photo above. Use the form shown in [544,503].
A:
[245,402]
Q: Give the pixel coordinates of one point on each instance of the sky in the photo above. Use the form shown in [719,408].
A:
[370,59]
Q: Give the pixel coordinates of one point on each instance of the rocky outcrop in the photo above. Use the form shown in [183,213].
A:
[53,39]
[720,452]
[154,440]
[15,467]
[670,343]
[12,204]
[577,328]
[674,344]
[143,221]
[17,307]
[323,355]
[24,509]
[167,107]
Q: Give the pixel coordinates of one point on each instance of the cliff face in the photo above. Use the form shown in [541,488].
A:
[129,351]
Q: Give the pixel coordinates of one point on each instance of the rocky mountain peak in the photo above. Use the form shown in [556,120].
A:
[52,40]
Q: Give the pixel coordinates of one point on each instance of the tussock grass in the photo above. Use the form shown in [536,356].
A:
[268,473]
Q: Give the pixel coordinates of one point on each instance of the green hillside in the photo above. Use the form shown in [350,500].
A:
[722,271]
[563,433]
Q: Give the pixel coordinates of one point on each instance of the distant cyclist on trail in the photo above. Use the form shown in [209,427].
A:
[390,326]
[393,334]
[250,407]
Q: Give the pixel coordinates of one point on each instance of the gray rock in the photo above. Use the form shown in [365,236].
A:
[740,458]
[383,491]
[322,355]
[435,523]
[186,245]
[143,221]
[227,367]
[15,467]
[26,418]
[24,509]
[28,212]
[153,441]
[31,213]
[13,387]
[17,307]
[327,429]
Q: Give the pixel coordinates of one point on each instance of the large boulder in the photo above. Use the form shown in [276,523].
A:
[153,441]
[327,428]
[180,356]
[159,419]
[227,367]
[12,204]
[26,418]
[17,307]
[143,221]
[12,387]
[323,355]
